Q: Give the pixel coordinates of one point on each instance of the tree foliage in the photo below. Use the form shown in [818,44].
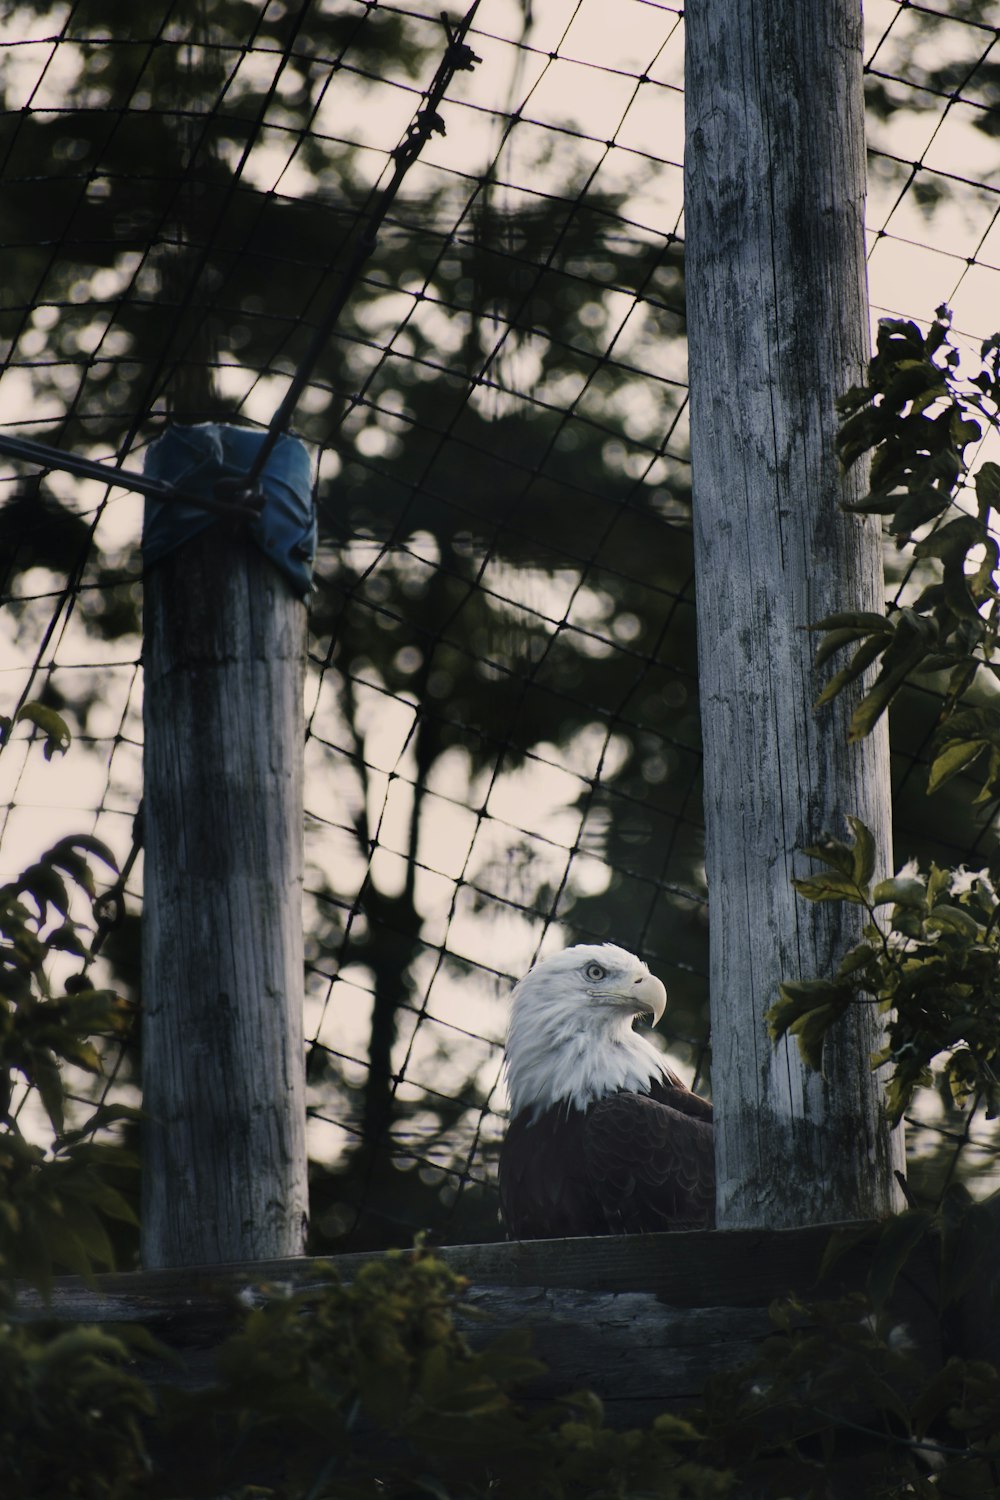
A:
[337,1393]
[333,1393]
[851,1392]
[328,1392]
[845,1400]
[64,1186]
[474,427]
[928,960]
[918,415]
[928,954]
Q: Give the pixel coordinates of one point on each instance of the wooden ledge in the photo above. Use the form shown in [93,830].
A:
[693,1268]
[642,1320]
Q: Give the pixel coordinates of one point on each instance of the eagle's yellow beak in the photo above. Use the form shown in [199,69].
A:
[649,996]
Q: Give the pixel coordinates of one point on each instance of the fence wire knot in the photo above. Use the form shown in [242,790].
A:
[459,57]
[427,123]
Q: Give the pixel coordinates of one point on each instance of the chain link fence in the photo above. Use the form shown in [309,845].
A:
[502,747]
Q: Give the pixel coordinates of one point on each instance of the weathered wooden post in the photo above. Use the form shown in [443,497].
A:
[224,1168]
[778,326]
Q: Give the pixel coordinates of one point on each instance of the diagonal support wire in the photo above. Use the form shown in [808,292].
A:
[246,501]
[458,57]
[44,457]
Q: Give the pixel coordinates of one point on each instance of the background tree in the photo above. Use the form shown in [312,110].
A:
[482,529]
[505,574]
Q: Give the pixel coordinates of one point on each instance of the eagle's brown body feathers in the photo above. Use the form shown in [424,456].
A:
[627,1164]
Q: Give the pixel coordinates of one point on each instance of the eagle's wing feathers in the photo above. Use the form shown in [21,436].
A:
[650,1165]
[670,1090]
[544,1188]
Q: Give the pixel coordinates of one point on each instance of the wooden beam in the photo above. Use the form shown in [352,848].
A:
[224,1166]
[693,1268]
[642,1320]
[778,327]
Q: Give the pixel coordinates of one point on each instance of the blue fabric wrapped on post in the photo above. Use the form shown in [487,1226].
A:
[200,459]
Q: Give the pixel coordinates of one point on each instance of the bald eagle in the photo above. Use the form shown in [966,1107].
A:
[603,1137]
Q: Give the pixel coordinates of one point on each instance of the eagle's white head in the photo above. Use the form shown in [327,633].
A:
[570,1039]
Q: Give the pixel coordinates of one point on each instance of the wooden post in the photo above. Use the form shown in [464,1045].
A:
[224,1169]
[778,326]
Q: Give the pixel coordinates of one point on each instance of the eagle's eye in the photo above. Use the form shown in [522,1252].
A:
[595,972]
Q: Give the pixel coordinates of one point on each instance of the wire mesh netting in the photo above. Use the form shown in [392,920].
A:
[502,720]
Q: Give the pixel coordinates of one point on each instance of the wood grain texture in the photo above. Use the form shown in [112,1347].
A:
[643,1320]
[695,1268]
[639,1354]
[224,1171]
[778,327]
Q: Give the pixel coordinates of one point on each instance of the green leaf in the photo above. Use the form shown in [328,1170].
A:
[807,1009]
[899,338]
[104,1116]
[964,430]
[921,503]
[66,940]
[989,789]
[896,1243]
[961,677]
[914,381]
[90,844]
[834,640]
[952,544]
[856,959]
[956,756]
[89,1233]
[111,1203]
[835,853]
[938,883]
[971,1231]
[987,482]
[52,725]
[867,652]
[854,396]
[944,1389]
[842,1242]
[906,659]
[988,496]
[865,852]
[810,1033]
[796,998]
[46,889]
[955,539]
[79,1051]
[829,888]
[871,708]
[75,866]
[862,620]
[902,891]
[48,1081]
[859,432]
[955,919]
